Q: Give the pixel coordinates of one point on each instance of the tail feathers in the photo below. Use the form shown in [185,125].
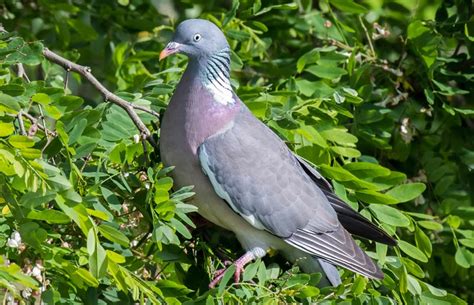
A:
[312,264]
[338,248]
[331,272]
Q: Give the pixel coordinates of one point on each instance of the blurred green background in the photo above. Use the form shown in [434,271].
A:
[376,94]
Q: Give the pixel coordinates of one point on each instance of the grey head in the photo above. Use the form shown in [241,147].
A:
[196,38]
[209,56]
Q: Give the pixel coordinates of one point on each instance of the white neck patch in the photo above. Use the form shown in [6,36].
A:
[222,93]
[216,77]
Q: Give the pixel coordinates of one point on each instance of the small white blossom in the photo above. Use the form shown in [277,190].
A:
[15,240]
[26,293]
[136,138]
[36,273]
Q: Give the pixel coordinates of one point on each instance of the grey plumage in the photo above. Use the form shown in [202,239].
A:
[246,179]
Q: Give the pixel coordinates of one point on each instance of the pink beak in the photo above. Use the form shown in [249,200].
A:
[171,48]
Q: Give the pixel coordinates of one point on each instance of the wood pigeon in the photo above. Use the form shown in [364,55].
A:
[245,178]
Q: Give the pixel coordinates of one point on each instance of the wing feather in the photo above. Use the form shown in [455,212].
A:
[337,248]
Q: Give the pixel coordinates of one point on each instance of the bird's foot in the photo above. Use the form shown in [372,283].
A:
[221,271]
[239,267]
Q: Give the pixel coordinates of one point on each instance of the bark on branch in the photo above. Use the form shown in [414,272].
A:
[108,96]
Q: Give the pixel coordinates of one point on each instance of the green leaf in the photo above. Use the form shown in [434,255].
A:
[430,225]
[339,136]
[412,267]
[288,6]
[344,176]
[250,271]
[407,192]
[306,87]
[232,12]
[19,141]
[307,58]
[87,277]
[468,242]
[172,289]
[366,169]
[77,131]
[326,71]
[9,104]
[6,129]
[31,153]
[298,279]
[427,297]
[312,135]
[114,235]
[59,183]
[225,279]
[12,90]
[346,151]
[359,285]
[41,98]
[180,228]
[464,257]
[389,215]
[435,291]
[412,251]
[115,257]
[371,196]
[423,242]
[348,6]
[50,216]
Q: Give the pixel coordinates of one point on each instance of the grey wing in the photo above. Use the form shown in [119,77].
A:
[258,176]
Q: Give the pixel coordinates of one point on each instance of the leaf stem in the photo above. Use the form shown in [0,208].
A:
[368,37]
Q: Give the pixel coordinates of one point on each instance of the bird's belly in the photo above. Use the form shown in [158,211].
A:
[188,172]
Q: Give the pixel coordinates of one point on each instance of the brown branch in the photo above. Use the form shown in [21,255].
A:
[147,110]
[108,96]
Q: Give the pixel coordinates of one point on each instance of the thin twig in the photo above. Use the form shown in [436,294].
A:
[33,120]
[368,37]
[20,122]
[145,152]
[144,109]
[42,118]
[21,72]
[66,79]
[108,96]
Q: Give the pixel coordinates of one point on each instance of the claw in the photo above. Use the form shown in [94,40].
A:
[239,267]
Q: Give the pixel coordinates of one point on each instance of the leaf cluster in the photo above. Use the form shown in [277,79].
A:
[376,94]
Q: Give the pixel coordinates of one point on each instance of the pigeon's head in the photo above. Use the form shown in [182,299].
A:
[196,38]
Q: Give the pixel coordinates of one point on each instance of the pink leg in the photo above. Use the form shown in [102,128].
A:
[239,267]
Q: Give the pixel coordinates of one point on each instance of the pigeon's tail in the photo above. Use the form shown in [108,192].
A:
[313,264]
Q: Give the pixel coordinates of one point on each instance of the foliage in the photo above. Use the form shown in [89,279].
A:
[375,93]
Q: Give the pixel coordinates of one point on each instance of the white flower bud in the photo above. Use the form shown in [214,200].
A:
[15,240]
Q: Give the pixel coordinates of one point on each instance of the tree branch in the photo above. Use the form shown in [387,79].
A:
[34,121]
[108,96]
